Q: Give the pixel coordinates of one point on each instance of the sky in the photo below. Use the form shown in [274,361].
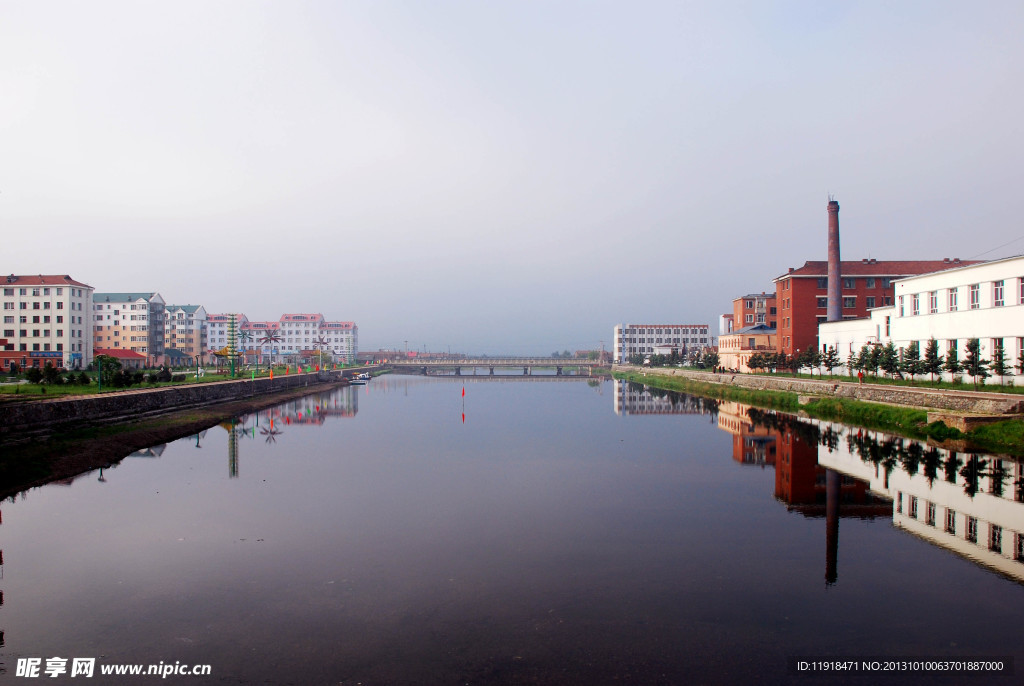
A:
[510,177]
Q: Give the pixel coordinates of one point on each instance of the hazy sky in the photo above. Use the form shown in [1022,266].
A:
[499,176]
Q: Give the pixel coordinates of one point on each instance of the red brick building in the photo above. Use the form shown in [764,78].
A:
[802,294]
[754,309]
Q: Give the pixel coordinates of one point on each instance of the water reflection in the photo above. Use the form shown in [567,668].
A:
[636,398]
[544,541]
[971,504]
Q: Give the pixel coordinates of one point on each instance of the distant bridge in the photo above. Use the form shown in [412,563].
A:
[527,364]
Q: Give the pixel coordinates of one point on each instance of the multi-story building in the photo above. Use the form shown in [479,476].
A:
[802,294]
[132,321]
[978,300]
[185,333]
[641,339]
[756,309]
[46,319]
[217,332]
[295,334]
[736,348]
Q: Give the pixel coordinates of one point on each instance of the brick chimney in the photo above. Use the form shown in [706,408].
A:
[835,276]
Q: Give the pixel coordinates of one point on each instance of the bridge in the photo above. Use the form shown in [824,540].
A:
[527,364]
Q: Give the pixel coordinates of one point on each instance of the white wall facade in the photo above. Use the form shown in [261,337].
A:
[641,339]
[47,319]
[983,301]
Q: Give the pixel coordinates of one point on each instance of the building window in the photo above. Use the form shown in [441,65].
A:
[997,293]
[899,501]
[975,290]
[849,283]
[972,529]
[869,282]
[915,304]
[930,514]
[952,299]
[869,301]
[933,302]
[1020,288]
[823,282]
[887,319]
[901,306]
[849,302]
[822,302]
[950,521]
[913,506]
[995,538]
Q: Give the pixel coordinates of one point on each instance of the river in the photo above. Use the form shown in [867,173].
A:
[425,530]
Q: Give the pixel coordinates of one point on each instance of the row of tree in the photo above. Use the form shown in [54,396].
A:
[902,363]
[701,359]
[108,371]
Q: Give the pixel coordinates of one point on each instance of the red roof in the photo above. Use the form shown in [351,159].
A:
[44,280]
[119,353]
[889,268]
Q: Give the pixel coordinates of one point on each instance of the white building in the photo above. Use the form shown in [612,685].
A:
[641,339]
[983,301]
[294,333]
[217,326]
[46,319]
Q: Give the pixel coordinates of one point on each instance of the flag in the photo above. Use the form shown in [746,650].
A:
[463,391]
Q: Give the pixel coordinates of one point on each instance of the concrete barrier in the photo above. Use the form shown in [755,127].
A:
[29,418]
[955,401]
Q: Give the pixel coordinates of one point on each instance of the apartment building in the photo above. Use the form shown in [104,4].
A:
[185,334]
[755,309]
[295,334]
[131,321]
[45,319]
[641,339]
[217,331]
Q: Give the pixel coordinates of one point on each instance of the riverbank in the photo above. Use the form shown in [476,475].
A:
[899,410]
[33,418]
[76,450]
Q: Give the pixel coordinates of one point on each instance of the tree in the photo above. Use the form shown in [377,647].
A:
[952,364]
[911,362]
[812,359]
[830,360]
[932,363]
[106,366]
[973,363]
[999,366]
[863,363]
[888,359]
[50,374]
[34,375]
[872,360]
[271,337]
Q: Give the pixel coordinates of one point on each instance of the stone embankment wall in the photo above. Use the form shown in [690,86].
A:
[954,401]
[41,416]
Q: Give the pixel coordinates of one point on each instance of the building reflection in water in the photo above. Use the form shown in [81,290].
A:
[635,398]
[269,424]
[969,503]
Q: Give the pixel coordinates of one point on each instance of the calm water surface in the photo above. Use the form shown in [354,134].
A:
[558,532]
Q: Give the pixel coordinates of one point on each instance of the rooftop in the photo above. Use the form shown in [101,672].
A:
[872,267]
[43,280]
